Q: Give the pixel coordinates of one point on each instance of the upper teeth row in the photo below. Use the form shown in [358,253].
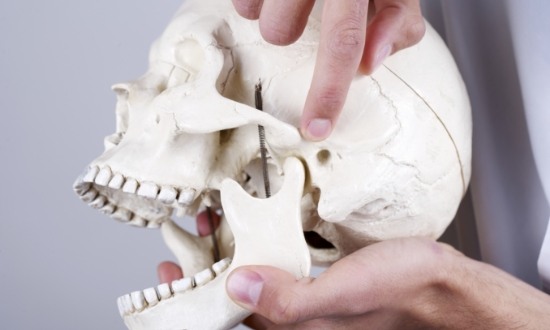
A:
[166,194]
[102,203]
[137,301]
[104,177]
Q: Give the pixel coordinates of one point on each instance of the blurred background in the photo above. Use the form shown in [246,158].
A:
[63,264]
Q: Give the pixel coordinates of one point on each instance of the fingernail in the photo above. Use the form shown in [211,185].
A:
[382,54]
[245,286]
[318,129]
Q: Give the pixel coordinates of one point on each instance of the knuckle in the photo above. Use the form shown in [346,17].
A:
[249,9]
[346,42]
[284,311]
[412,26]
[416,30]
[276,33]
[412,32]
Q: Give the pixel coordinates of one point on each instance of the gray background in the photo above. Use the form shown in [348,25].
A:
[63,264]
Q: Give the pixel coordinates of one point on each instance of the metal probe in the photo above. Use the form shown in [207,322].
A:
[213,234]
[261,133]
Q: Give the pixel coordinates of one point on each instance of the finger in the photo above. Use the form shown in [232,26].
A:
[271,292]
[342,43]
[283,22]
[396,24]
[390,274]
[203,222]
[248,8]
[168,271]
[256,321]
[278,296]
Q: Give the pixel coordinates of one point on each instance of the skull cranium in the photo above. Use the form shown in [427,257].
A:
[396,165]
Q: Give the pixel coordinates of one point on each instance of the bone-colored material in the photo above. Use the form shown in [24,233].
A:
[396,165]
[207,306]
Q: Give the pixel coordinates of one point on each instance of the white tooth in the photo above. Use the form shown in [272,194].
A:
[99,202]
[182,285]
[139,222]
[122,214]
[187,196]
[220,266]
[82,187]
[207,200]
[91,174]
[164,291]
[127,304]
[108,209]
[120,306]
[138,300]
[103,176]
[151,296]
[167,195]
[204,277]
[116,182]
[130,186]
[148,190]
[89,196]
[181,211]
[153,224]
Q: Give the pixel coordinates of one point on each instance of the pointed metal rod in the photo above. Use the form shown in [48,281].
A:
[213,235]
[261,133]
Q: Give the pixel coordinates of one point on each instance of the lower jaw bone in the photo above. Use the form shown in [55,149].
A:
[266,232]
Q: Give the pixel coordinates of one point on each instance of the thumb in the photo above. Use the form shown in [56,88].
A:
[273,293]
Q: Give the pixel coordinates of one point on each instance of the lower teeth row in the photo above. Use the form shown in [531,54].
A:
[137,301]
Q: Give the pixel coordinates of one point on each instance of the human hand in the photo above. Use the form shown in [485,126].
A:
[399,284]
[349,43]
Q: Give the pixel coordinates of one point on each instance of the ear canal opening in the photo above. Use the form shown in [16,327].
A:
[323,156]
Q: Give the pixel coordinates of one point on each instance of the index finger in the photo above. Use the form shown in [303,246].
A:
[343,32]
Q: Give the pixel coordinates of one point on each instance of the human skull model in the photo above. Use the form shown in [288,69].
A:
[396,165]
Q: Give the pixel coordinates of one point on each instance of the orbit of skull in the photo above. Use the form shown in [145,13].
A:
[396,165]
